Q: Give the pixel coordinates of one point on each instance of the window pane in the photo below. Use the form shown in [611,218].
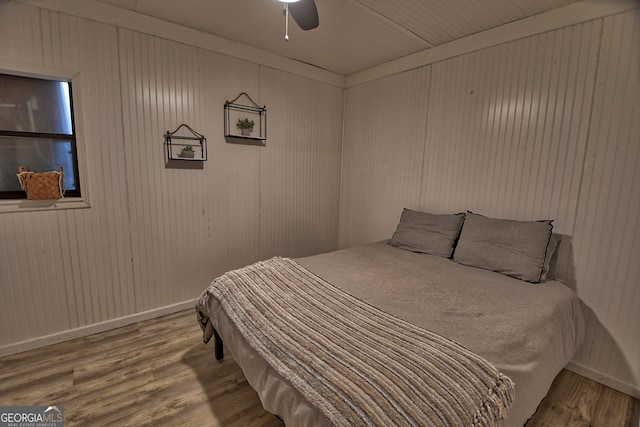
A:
[34,105]
[36,155]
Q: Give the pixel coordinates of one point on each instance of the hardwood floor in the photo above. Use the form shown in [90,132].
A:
[158,372]
[577,401]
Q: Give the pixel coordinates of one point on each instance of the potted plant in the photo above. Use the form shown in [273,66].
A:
[187,152]
[245,125]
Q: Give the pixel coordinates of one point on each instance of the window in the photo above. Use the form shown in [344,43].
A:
[37,131]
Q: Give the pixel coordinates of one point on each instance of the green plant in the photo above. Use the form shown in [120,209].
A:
[245,124]
[188,148]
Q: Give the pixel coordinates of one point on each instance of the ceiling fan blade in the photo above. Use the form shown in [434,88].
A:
[305,13]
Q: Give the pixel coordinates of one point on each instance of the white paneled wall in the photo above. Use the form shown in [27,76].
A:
[300,173]
[66,269]
[607,234]
[382,154]
[182,217]
[507,127]
[154,237]
[543,127]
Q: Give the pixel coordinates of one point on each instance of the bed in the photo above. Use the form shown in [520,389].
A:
[434,280]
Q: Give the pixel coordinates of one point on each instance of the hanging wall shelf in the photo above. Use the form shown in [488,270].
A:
[191,147]
[245,123]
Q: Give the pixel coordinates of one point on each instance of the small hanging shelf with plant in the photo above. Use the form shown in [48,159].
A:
[245,123]
[185,147]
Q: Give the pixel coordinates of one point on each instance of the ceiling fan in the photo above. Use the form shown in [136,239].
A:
[304,12]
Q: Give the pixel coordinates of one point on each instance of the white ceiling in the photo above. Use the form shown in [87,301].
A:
[354,35]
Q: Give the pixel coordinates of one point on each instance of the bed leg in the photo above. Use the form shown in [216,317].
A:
[218,345]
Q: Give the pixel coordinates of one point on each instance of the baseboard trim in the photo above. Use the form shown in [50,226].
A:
[605,379]
[95,328]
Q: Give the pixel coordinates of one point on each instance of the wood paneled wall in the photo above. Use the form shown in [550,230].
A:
[154,237]
[546,126]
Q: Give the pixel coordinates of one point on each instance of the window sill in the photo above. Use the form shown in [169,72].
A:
[23,205]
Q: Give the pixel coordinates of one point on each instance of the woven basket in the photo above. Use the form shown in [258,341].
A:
[41,185]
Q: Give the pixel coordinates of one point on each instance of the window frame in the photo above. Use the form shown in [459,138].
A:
[73,199]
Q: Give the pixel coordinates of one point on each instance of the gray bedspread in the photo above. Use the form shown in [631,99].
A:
[528,331]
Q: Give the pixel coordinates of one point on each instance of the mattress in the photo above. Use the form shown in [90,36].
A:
[527,331]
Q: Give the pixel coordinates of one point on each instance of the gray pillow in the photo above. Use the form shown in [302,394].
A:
[514,248]
[427,233]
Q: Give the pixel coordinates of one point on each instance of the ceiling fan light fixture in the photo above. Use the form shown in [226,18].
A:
[304,12]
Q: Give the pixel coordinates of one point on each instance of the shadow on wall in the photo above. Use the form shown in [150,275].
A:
[605,344]
[562,265]
[596,334]
[184,164]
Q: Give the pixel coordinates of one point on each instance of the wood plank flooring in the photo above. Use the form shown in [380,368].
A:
[575,401]
[158,372]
